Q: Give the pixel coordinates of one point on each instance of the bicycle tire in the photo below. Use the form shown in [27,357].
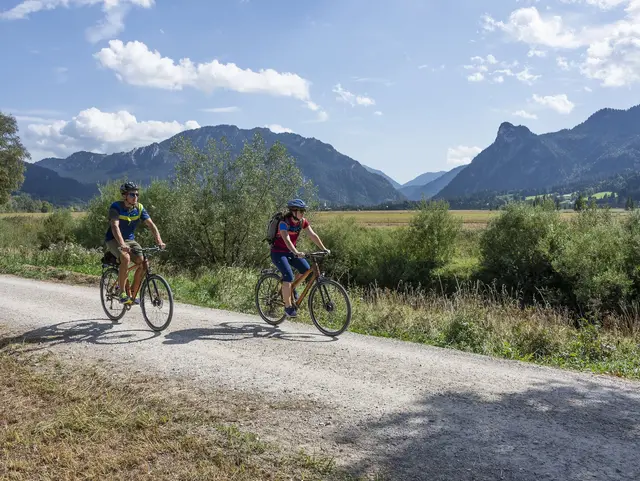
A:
[111,270]
[146,291]
[267,319]
[316,289]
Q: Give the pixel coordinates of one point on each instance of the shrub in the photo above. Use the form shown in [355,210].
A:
[518,247]
[57,227]
[430,241]
[592,260]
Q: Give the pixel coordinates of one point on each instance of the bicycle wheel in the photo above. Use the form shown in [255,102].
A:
[329,297]
[269,298]
[109,295]
[156,295]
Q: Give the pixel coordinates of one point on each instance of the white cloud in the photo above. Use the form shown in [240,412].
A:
[461,154]
[560,103]
[278,129]
[536,53]
[135,64]
[482,69]
[525,115]
[221,110]
[352,99]
[377,112]
[588,89]
[102,132]
[562,63]
[526,25]
[611,51]
[111,24]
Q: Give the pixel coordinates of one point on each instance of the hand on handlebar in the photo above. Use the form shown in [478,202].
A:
[125,249]
[300,254]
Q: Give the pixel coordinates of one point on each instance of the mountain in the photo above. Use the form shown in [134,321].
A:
[424,179]
[416,192]
[396,185]
[339,178]
[44,184]
[608,142]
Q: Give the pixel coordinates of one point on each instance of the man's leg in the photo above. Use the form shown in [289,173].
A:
[136,254]
[112,246]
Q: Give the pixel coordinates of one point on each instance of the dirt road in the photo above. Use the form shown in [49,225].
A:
[421,412]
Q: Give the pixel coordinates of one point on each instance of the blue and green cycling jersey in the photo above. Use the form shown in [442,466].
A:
[129,219]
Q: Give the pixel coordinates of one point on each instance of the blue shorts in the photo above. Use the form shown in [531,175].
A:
[284,260]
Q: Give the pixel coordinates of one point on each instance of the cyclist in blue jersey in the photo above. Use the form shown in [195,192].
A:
[124,217]
[284,253]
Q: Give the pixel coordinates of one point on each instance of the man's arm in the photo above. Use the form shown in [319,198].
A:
[156,233]
[114,219]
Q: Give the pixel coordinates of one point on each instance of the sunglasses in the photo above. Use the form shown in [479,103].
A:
[133,194]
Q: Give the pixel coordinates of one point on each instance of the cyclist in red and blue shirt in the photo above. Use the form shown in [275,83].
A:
[284,253]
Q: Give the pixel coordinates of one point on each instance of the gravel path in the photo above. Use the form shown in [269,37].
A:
[418,411]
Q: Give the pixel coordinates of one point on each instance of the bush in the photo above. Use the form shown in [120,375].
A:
[58,227]
[592,260]
[518,247]
[431,239]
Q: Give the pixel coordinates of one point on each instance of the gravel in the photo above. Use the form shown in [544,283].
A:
[376,405]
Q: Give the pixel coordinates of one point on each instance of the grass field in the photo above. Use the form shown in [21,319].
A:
[380,218]
[472,219]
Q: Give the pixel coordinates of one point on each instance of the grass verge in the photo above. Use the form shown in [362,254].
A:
[68,422]
[475,319]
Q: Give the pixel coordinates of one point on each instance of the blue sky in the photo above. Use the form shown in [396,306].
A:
[406,86]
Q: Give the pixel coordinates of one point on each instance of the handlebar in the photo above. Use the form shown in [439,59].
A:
[147,250]
[316,254]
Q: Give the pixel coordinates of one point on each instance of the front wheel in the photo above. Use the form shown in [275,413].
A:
[330,307]
[109,295]
[156,302]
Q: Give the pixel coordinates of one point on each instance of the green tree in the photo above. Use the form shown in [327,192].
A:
[629,205]
[12,157]
[580,204]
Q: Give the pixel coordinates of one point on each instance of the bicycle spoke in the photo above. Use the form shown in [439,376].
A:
[156,302]
[269,299]
[330,307]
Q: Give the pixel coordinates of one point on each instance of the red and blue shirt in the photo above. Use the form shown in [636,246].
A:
[293,227]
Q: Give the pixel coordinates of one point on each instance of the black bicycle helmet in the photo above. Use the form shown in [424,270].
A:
[128,187]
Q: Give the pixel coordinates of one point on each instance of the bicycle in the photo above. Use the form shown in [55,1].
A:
[317,287]
[150,298]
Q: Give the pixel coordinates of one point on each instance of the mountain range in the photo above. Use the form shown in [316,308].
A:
[606,144]
[339,178]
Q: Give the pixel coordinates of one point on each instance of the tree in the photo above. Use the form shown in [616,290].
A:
[12,157]
[629,205]
[580,204]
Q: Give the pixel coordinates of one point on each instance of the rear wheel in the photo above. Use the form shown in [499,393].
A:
[156,302]
[330,307]
[109,295]
[269,298]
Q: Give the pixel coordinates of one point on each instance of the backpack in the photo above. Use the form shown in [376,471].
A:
[272,227]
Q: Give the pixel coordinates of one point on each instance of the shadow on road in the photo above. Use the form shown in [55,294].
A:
[553,431]
[237,331]
[81,330]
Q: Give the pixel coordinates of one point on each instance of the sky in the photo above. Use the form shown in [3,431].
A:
[407,87]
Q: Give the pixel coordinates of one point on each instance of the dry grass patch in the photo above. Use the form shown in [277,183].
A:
[67,422]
